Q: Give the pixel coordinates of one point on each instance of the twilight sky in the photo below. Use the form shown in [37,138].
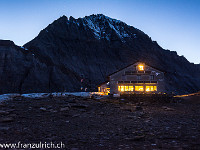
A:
[174,24]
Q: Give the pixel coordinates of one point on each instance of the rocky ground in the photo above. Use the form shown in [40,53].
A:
[103,123]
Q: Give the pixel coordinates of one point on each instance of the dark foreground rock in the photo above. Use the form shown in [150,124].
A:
[102,124]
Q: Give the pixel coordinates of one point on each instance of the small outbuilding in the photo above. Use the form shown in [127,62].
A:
[136,78]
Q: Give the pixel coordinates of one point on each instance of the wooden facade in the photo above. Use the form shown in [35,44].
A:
[135,78]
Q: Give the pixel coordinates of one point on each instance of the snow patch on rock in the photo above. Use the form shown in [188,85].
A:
[97,25]
[24,48]
[5,97]
[10,96]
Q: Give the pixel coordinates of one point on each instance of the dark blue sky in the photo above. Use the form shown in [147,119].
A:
[174,24]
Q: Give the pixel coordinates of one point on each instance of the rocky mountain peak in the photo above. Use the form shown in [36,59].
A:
[99,26]
[6,43]
[88,49]
[104,27]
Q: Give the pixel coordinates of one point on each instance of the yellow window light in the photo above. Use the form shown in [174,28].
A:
[108,90]
[139,88]
[122,88]
[148,89]
[126,88]
[99,89]
[155,88]
[151,88]
[131,88]
[141,67]
[119,88]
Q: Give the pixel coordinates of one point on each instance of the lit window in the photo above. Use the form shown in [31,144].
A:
[151,88]
[126,88]
[148,88]
[122,88]
[155,88]
[108,90]
[99,89]
[140,67]
[139,88]
[130,88]
[119,88]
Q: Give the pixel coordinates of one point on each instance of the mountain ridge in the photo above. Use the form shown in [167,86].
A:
[95,46]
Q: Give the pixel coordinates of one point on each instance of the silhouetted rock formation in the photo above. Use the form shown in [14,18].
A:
[20,71]
[6,43]
[91,48]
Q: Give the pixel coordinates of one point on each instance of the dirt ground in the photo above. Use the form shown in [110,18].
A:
[102,123]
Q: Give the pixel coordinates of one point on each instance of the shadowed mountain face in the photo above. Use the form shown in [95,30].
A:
[20,70]
[92,48]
